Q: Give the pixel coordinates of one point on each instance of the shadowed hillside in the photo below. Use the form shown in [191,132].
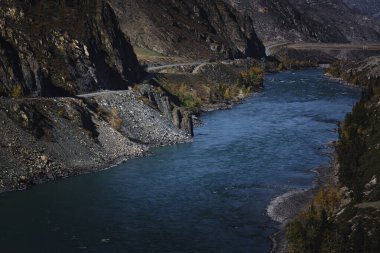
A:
[194,29]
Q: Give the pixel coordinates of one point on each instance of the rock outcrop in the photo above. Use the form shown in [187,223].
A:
[59,48]
[168,105]
[195,29]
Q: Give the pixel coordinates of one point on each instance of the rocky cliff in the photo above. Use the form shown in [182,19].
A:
[195,29]
[53,50]
[58,48]
[308,20]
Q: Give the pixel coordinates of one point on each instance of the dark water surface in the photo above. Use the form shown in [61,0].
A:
[207,196]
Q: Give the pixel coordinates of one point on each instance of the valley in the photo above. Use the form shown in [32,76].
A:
[189,126]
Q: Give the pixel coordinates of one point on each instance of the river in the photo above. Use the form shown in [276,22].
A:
[208,196]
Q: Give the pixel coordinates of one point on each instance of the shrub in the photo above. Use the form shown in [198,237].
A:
[116,121]
[61,113]
[251,77]
[17,91]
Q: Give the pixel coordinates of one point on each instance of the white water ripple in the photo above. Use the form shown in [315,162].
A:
[286,207]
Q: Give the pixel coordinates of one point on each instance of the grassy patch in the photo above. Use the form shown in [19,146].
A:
[17,91]
[143,52]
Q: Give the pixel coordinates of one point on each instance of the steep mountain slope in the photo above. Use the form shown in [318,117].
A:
[367,7]
[195,29]
[308,20]
[56,48]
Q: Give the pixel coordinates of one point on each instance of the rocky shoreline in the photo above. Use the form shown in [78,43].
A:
[285,208]
[298,201]
[45,139]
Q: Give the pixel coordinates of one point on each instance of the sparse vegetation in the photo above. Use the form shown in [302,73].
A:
[61,113]
[196,90]
[289,63]
[335,69]
[116,122]
[310,232]
[143,52]
[252,77]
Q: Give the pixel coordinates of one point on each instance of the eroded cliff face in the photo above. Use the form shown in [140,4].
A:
[308,20]
[195,29]
[58,48]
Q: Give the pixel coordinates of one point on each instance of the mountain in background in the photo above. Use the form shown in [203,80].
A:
[367,7]
[193,29]
[309,21]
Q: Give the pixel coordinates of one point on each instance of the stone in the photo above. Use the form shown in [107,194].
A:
[44,158]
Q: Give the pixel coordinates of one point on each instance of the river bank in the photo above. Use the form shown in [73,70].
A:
[344,214]
[285,208]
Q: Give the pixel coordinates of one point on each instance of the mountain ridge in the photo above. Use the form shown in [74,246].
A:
[309,21]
